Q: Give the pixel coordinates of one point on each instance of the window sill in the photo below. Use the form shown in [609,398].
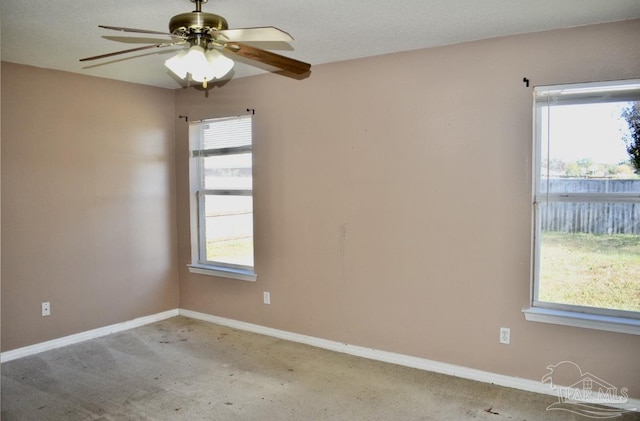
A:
[584,320]
[223,272]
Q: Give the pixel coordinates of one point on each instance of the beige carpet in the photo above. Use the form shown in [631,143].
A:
[183,369]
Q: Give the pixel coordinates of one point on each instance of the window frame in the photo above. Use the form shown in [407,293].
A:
[559,313]
[198,192]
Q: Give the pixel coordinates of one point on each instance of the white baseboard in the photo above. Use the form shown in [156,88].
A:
[83,336]
[393,358]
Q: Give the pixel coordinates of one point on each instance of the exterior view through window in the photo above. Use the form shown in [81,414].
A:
[221,172]
[587,198]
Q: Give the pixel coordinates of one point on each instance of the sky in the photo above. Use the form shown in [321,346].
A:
[593,131]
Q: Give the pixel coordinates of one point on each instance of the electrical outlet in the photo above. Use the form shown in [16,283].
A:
[46,309]
[505,335]
[267,297]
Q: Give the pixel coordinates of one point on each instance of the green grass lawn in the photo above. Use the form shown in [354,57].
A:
[591,270]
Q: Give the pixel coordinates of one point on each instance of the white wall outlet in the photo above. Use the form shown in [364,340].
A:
[46,309]
[267,297]
[505,335]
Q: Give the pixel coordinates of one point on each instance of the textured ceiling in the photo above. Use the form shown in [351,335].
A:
[56,33]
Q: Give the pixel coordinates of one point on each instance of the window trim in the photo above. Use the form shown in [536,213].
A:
[223,272]
[583,320]
[199,265]
[566,314]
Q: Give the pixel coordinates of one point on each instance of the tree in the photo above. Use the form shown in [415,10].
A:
[632,140]
[573,170]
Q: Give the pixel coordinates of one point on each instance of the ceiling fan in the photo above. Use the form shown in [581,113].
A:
[208,36]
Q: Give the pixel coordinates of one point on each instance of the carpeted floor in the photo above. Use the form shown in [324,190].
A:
[184,369]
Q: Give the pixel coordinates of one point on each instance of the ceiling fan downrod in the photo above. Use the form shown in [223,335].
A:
[198,4]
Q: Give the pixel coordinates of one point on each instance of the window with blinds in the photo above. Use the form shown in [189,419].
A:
[222,186]
[587,199]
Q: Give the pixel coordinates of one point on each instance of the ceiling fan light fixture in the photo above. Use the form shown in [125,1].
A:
[177,65]
[202,66]
[192,61]
[195,61]
[219,63]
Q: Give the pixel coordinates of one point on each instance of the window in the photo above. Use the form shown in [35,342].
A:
[586,203]
[222,197]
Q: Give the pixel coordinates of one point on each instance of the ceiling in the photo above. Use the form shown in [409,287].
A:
[56,33]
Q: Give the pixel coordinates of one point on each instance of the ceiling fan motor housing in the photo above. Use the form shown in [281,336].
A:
[196,23]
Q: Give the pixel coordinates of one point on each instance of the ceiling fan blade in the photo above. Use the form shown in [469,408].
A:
[267,57]
[131,50]
[267,33]
[139,31]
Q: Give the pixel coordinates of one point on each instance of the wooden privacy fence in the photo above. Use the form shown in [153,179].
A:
[591,217]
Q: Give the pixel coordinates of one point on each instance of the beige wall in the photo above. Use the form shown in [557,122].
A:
[88,210]
[392,199]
